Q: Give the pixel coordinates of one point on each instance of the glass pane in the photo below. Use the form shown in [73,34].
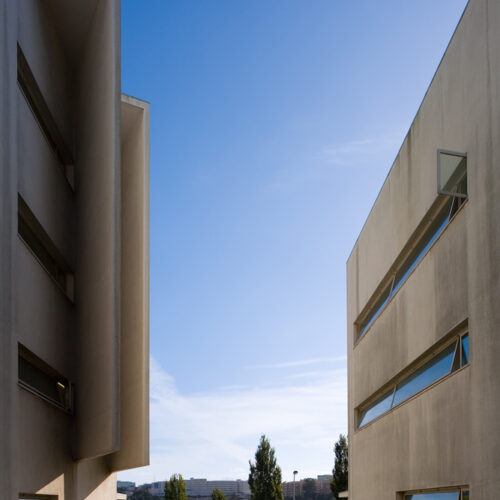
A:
[380,406]
[452,169]
[421,248]
[375,311]
[433,370]
[465,495]
[449,495]
[465,350]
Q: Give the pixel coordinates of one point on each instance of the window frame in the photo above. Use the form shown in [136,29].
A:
[461,490]
[43,367]
[455,337]
[450,153]
[28,223]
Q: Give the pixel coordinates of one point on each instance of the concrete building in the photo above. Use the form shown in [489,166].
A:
[423,286]
[201,488]
[74,254]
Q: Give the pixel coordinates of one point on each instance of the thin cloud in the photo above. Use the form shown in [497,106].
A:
[214,434]
[302,362]
[356,151]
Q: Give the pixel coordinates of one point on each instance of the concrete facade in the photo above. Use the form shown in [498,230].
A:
[446,435]
[74,254]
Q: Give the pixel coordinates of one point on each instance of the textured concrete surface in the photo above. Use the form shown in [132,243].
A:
[449,435]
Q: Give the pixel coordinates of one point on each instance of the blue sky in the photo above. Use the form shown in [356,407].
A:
[273,126]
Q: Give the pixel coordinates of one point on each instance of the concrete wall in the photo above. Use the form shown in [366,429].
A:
[8,229]
[97,178]
[73,52]
[450,434]
[134,354]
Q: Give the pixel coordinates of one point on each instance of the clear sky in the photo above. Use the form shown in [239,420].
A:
[273,126]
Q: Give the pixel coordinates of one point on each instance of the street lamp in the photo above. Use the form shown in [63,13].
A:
[294,473]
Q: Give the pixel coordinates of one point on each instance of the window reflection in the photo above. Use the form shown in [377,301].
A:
[449,495]
[448,360]
[376,409]
[429,373]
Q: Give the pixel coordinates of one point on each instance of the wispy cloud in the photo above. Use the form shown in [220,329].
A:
[356,151]
[322,165]
[302,362]
[214,434]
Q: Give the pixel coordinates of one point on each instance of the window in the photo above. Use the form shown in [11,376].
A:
[460,494]
[38,377]
[449,359]
[452,181]
[43,116]
[452,173]
[40,244]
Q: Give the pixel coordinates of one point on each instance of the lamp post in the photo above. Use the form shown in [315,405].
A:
[294,473]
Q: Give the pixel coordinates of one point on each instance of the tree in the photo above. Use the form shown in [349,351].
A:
[218,495]
[308,489]
[340,470]
[175,489]
[265,475]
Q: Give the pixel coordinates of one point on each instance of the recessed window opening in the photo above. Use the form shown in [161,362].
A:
[456,494]
[452,181]
[449,359]
[42,247]
[43,116]
[414,256]
[40,378]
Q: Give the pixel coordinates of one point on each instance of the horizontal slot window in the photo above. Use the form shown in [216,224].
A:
[446,361]
[440,495]
[452,181]
[42,247]
[40,378]
[43,116]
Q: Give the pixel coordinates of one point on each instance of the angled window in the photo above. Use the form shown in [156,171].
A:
[452,181]
[41,379]
[449,359]
[43,116]
[452,173]
[42,247]
[379,407]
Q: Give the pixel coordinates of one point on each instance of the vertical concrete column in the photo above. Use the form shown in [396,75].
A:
[97,274]
[8,228]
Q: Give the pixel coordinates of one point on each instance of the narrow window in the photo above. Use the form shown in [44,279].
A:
[42,247]
[43,116]
[452,181]
[460,494]
[415,254]
[377,408]
[449,359]
[433,370]
[41,379]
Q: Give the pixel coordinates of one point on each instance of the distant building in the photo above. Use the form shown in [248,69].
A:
[201,488]
[127,487]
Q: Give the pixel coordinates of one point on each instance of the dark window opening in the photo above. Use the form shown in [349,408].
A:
[41,379]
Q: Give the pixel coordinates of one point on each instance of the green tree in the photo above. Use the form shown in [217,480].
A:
[308,489]
[218,495]
[340,470]
[265,475]
[175,489]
